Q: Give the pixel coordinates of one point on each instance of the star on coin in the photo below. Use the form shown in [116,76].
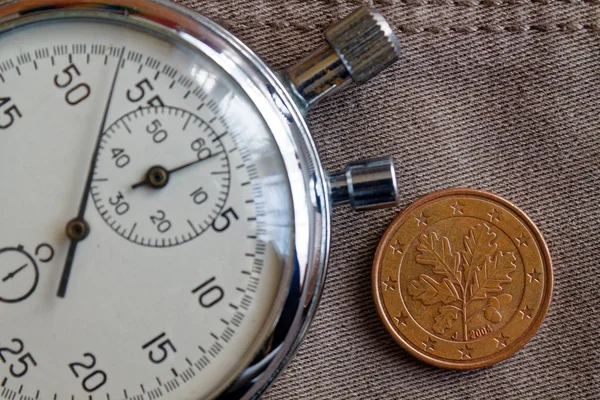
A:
[421,219]
[457,208]
[501,340]
[397,248]
[465,352]
[494,215]
[526,312]
[429,344]
[401,319]
[522,240]
[534,276]
[389,283]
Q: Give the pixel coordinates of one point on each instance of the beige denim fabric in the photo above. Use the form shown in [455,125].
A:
[500,95]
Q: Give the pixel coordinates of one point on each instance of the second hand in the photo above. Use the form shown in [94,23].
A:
[77,228]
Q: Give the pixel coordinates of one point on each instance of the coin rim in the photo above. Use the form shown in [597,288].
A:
[511,349]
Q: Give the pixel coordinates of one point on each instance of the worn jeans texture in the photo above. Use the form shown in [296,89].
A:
[500,95]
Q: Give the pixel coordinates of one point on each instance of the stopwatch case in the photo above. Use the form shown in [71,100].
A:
[305,268]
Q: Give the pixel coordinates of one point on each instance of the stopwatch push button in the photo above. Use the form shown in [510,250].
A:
[366,184]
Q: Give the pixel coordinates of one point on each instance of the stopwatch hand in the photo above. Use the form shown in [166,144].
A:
[77,228]
[157,177]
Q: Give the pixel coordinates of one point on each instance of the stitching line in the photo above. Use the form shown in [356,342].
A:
[569,27]
[461,3]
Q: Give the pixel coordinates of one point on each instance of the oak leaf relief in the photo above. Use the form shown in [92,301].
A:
[494,272]
[447,315]
[430,291]
[463,278]
[436,252]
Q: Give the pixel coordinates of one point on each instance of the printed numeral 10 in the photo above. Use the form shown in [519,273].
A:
[208,293]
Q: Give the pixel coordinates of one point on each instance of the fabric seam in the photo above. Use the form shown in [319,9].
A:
[462,3]
[569,27]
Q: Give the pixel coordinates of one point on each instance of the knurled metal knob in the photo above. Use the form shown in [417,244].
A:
[365,43]
[359,47]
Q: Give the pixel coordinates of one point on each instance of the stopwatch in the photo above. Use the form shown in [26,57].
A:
[165,217]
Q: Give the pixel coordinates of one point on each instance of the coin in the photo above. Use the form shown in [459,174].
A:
[462,279]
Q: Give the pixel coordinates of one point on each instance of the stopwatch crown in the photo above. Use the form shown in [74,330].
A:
[365,43]
[359,46]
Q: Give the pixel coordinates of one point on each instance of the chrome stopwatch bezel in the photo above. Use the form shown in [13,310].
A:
[304,271]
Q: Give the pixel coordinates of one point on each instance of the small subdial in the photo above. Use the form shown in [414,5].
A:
[19,275]
[162,176]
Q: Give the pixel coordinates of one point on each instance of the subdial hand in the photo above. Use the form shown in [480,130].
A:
[15,272]
[77,228]
[157,176]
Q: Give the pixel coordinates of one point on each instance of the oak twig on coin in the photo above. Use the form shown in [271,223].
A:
[469,277]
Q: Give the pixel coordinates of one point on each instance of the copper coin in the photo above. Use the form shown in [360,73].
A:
[462,279]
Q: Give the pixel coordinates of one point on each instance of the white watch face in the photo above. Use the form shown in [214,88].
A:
[174,182]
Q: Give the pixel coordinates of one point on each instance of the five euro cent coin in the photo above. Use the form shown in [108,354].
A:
[462,279]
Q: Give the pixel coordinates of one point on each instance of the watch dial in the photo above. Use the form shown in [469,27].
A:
[181,207]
